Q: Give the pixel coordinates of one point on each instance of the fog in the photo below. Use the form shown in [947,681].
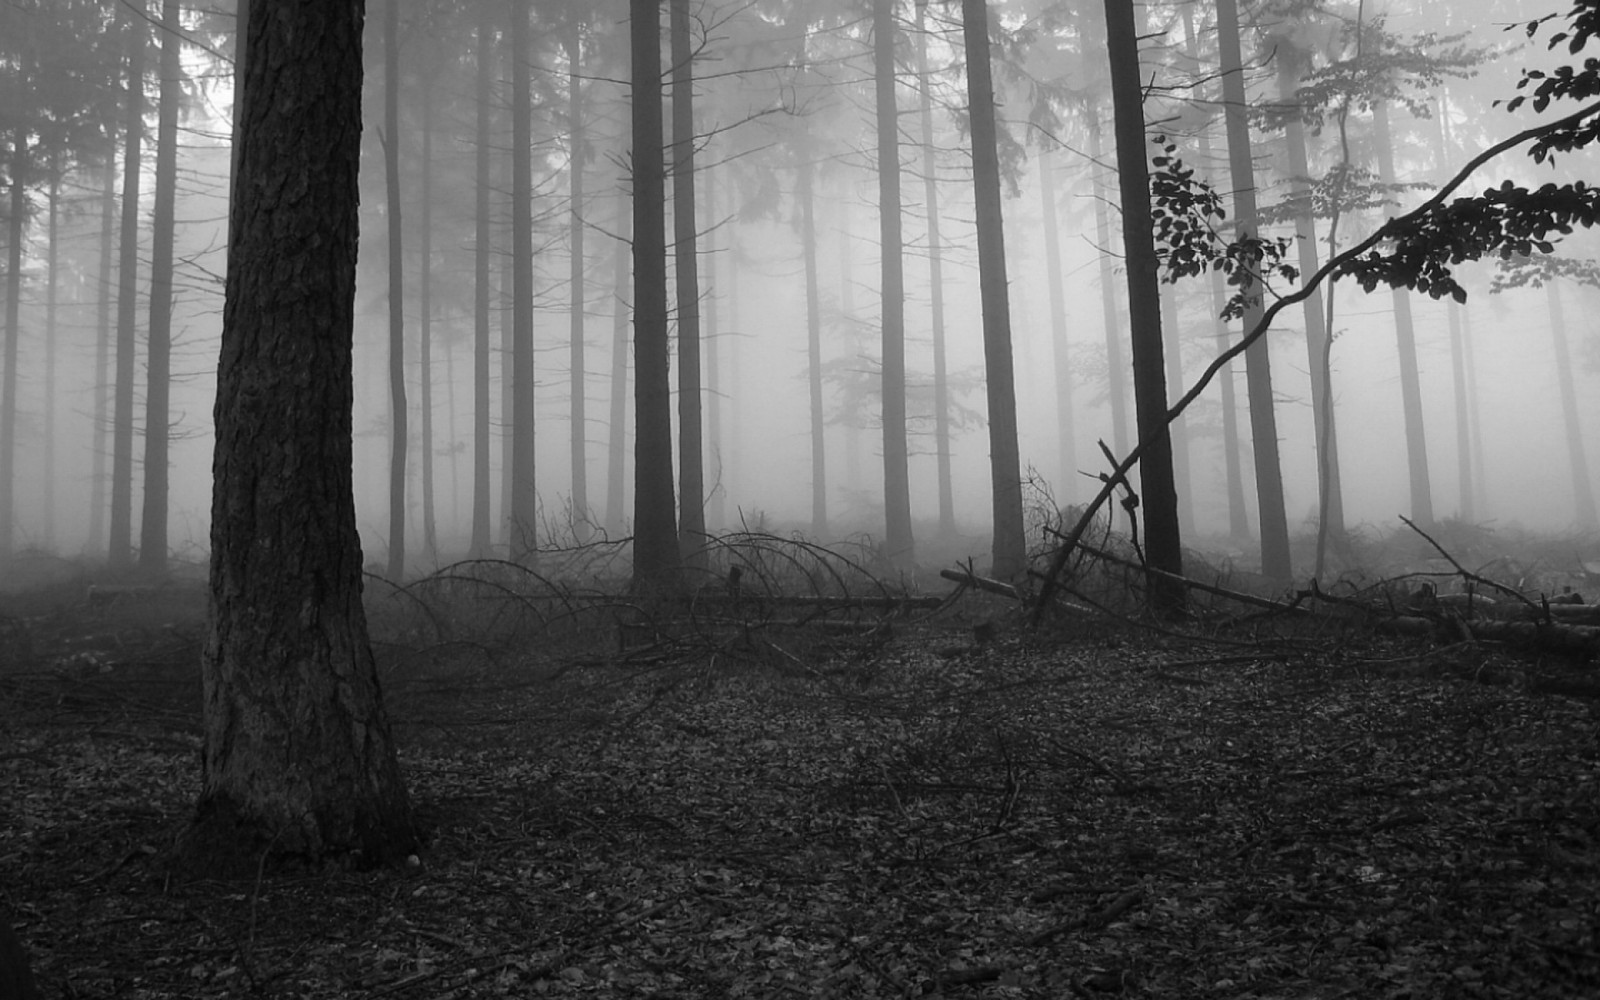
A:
[759,115]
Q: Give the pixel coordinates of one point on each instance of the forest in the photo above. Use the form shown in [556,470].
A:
[831,498]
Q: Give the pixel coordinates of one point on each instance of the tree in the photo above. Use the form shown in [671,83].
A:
[523,514]
[930,194]
[686,271]
[120,542]
[1010,550]
[397,314]
[578,155]
[656,554]
[481,314]
[298,760]
[899,544]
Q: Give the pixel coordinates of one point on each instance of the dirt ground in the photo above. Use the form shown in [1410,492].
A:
[887,802]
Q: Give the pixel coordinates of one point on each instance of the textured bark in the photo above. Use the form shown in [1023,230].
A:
[482,249]
[120,541]
[524,512]
[930,194]
[686,270]
[656,556]
[397,317]
[1009,548]
[298,759]
[1158,500]
[806,195]
[1066,443]
[899,545]
[1275,558]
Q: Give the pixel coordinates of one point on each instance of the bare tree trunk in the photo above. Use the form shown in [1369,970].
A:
[1065,424]
[1010,547]
[806,195]
[657,558]
[711,338]
[899,545]
[52,330]
[120,543]
[577,133]
[1238,518]
[298,760]
[102,359]
[481,520]
[691,434]
[13,334]
[430,529]
[1275,558]
[617,446]
[397,316]
[1577,456]
[1163,539]
[1458,377]
[930,192]
[1116,363]
[524,495]
[1178,429]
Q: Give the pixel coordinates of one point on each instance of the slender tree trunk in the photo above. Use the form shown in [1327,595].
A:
[158,363]
[806,194]
[691,435]
[298,760]
[1275,558]
[1163,539]
[1067,482]
[120,544]
[1406,345]
[1116,364]
[397,319]
[711,338]
[1238,518]
[13,334]
[1481,480]
[1458,379]
[1178,429]
[930,192]
[617,424]
[899,545]
[1577,456]
[430,529]
[52,299]
[102,359]
[657,558]
[578,379]
[483,246]
[524,496]
[1010,547]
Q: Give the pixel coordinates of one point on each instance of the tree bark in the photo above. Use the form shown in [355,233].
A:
[617,425]
[656,556]
[1275,559]
[430,530]
[577,137]
[298,760]
[120,542]
[899,545]
[524,495]
[102,358]
[1010,548]
[808,247]
[397,317]
[1163,540]
[1067,449]
[481,313]
[930,193]
[686,270]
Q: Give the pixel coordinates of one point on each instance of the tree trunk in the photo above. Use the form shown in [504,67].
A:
[617,425]
[577,134]
[930,191]
[656,555]
[524,495]
[1463,410]
[120,543]
[1275,559]
[52,330]
[1010,546]
[397,319]
[430,530]
[482,249]
[691,435]
[899,546]
[1406,345]
[805,192]
[1577,457]
[298,760]
[13,334]
[1238,518]
[1067,483]
[711,338]
[1163,541]
[1116,364]
[1178,428]
[102,359]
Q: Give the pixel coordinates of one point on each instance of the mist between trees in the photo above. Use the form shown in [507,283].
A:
[493,374]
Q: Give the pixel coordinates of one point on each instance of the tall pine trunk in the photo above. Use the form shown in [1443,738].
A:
[13,333]
[691,435]
[899,545]
[806,193]
[577,138]
[430,530]
[1275,558]
[482,531]
[397,320]
[120,542]
[524,498]
[930,193]
[657,557]
[1010,547]
[617,423]
[99,435]
[52,330]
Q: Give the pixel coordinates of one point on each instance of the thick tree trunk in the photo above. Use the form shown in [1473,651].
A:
[1275,558]
[1010,547]
[120,542]
[524,495]
[899,545]
[617,424]
[1116,363]
[578,381]
[298,760]
[1406,346]
[930,192]
[1066,442]
[806,195]
[1586,517]
[482,249]
[686,269]
[397,317]
[1163,540]
[656,555]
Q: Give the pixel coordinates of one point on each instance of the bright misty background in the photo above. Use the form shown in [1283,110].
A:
[758,116]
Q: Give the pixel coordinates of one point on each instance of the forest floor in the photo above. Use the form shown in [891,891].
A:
[948,803]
